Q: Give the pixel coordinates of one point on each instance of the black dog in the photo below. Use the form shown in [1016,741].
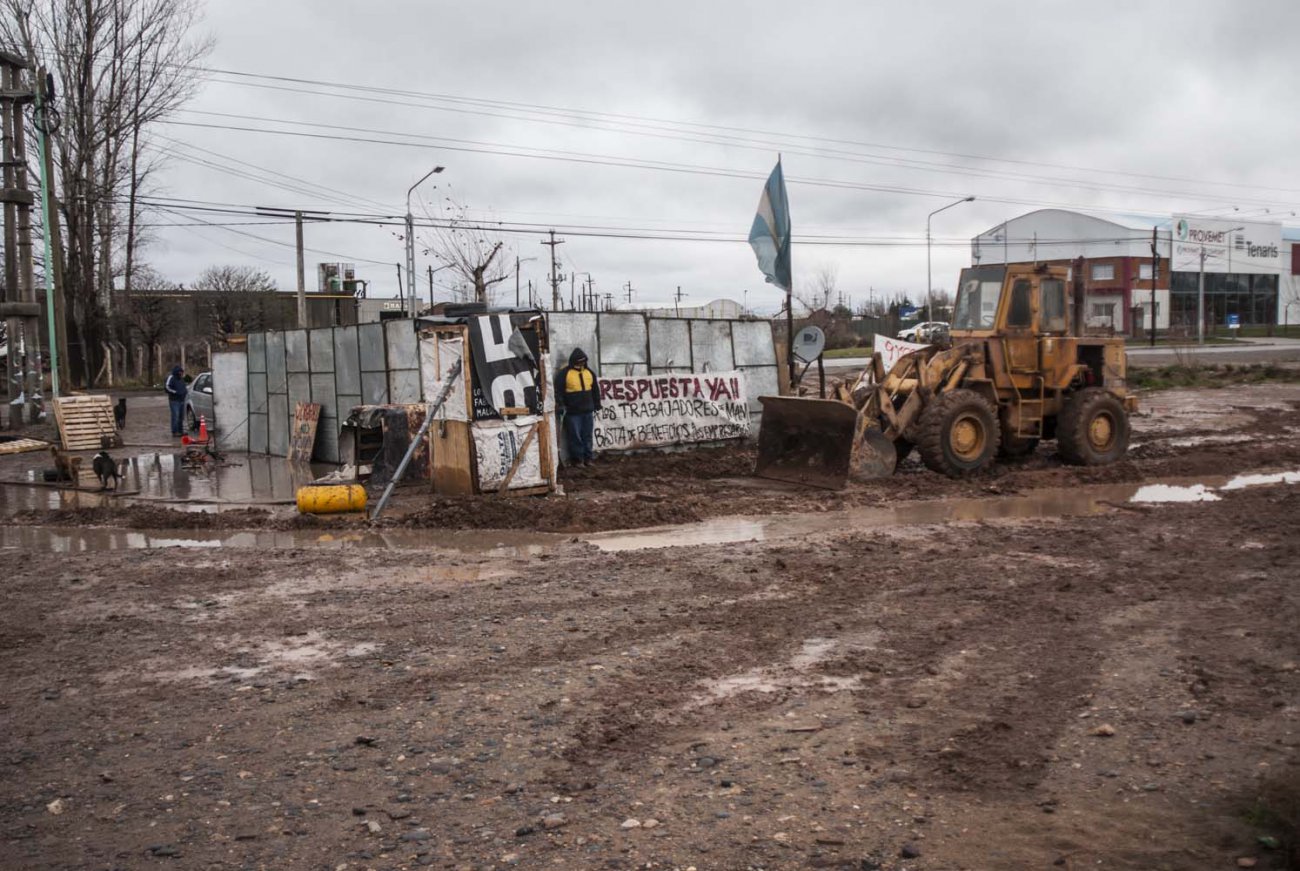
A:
[105,470]
[119,413]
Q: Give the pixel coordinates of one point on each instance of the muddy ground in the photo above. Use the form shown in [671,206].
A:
[1178,433]
[1117,691]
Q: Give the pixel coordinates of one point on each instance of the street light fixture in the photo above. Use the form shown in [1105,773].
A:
[1200,287]
[410,239]
[929,298]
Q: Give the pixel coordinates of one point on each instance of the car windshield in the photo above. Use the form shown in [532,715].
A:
[978,297]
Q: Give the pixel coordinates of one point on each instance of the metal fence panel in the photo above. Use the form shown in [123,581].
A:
[404,386]
[276,373]
[295,351]
[752,341]
[622,343]
[370,339]
[257,352]
[321,343]
[569,330]
[670,345]
[327,440]
[278,423]
[400,338]
[347,361]
[711,346]
[299,389]
[323,393]
[759,381]
[374,388]
[257,429]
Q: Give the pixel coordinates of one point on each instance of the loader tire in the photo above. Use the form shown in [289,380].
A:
[958,434]
[1092,429]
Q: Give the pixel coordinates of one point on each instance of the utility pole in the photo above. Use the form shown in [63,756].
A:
[609,301]
[410,239]
[21,312]
[628,288]
[401,288]
[431,286]
[298,215]
[555,275]
[1155,272]
[54,302]
[677,311]
[516,281]
[573,279]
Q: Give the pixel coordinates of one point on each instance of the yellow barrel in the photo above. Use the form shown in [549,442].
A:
[331,498]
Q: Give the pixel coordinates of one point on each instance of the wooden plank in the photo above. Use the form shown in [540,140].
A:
[519,456]
[450,444]
[302,438]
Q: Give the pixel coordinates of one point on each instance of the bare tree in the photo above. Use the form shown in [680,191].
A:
[470,249]
[240,301]
[149,318]
[119,67]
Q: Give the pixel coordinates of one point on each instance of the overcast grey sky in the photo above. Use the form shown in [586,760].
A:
[883,111]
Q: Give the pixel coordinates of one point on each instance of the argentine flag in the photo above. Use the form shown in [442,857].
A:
[770,234]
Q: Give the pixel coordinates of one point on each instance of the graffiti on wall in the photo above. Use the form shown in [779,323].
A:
[655,410]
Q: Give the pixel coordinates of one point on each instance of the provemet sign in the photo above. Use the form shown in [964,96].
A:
[1227,245]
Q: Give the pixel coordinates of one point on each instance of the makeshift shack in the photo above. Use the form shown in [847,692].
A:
[496,430]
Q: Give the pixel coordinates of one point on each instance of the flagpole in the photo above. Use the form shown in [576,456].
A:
[789,305]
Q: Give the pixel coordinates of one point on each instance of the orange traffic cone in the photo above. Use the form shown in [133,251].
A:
[203,429]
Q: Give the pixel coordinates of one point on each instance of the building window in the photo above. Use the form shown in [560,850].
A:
[1103,310]
[1103,272]
[1144,271]
[1253,298]
[1295,259]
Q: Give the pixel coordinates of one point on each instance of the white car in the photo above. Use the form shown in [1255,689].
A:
[924,331]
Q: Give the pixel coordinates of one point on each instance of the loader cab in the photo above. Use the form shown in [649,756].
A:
[993,300]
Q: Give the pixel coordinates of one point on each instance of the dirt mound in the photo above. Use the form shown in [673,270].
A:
[557,514]
[144,517]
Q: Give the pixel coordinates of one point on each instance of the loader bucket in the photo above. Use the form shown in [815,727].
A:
[811,442]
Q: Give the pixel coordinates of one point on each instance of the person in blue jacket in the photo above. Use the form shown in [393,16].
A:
[579,396]
[176,392]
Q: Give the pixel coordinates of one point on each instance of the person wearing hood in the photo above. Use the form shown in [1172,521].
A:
[579,398]
[176,392]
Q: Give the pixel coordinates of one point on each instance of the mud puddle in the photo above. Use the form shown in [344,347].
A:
[245,481]
[502,544]
[1074,502]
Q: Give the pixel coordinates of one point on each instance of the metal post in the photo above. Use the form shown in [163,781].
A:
[452,374]
[929,298]
[1200,301]
[302,273]
[51,226]
[410,241]
[1155,272]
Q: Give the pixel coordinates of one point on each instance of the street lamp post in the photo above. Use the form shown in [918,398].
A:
[929,297]
[1200,289]
[410,240]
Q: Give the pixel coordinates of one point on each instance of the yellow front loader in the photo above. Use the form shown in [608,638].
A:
[1020,369]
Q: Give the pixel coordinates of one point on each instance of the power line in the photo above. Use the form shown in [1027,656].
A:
[542,153]
[650,124]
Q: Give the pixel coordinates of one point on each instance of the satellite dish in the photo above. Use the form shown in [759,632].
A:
[809,343]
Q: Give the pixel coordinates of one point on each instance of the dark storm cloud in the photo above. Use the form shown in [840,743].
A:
[1198,90]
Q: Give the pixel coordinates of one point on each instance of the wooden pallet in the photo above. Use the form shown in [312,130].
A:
[20,446]
[84,421]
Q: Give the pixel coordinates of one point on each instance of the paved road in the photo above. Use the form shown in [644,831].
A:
[1267,350]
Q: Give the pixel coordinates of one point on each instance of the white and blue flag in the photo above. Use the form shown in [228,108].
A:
[770,234]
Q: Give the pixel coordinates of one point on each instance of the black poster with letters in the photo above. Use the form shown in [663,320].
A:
[505,365]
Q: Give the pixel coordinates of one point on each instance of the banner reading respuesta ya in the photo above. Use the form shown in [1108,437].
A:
[644,411]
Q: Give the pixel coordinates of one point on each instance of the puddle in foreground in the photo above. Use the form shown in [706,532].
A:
[1074,502]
